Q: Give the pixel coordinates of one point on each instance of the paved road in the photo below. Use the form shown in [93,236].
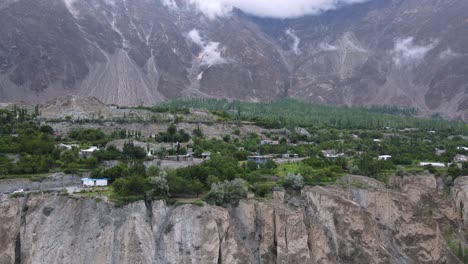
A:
[291,160]
[70,189]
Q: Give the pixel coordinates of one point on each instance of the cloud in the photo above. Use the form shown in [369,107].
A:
[210,51]
[296,39]
[449,54]
[269,8]
[194,36]
[213,8]
[170,4]
[211,54]
[407,52]
[327,47]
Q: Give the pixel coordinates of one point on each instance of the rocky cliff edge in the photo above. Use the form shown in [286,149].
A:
[355,221]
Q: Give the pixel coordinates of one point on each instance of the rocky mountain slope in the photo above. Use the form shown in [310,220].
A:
[403,52]
[411,223]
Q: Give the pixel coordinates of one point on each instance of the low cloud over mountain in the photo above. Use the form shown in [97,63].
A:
[269,8]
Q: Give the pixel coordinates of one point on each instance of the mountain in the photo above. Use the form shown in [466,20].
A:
[415,223]
[381,52]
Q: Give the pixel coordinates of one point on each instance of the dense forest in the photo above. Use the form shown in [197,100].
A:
[291,113]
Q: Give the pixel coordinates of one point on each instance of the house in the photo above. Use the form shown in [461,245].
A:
[462,148]
[460,158]
[377,140]
[440,152]
[269,142]
[285,156]
[206,155]
[289,156]
[384,157]
[65,146]
[88,152]
[409,129]
[331,154]
[113,106]
[189,156]
[90,182]
[433,164]
[261,159]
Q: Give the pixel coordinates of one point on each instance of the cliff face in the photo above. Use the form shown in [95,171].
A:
[338,224]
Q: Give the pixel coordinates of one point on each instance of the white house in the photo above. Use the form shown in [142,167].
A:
[385,157]
[462,148]
[269,142]
[88,152]
[65,146]
[332,154]
[440,152]
[434,164]
[377,140]
[460,158]
[90,182]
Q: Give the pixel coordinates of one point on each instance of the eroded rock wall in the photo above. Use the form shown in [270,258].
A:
[336,224]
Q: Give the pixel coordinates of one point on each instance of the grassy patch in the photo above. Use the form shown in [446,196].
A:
[283,169]
[93,193]
[197,202]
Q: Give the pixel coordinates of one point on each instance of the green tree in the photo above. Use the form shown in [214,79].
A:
[130,151]
[228,192]
[293,181]
[160,186]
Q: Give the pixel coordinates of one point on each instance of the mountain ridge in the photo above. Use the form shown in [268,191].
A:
[406,53]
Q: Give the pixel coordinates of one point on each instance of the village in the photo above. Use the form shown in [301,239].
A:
[184,152]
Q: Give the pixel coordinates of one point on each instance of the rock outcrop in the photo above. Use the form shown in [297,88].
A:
[346,223]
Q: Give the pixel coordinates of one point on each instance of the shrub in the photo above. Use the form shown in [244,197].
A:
[355,170]
[262,189]
[270,164]
[229,192]
[216,194]
[293,181]
[131,186]
[130,151]
[400,171]
[212,179]
[430,168]
[160,186]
